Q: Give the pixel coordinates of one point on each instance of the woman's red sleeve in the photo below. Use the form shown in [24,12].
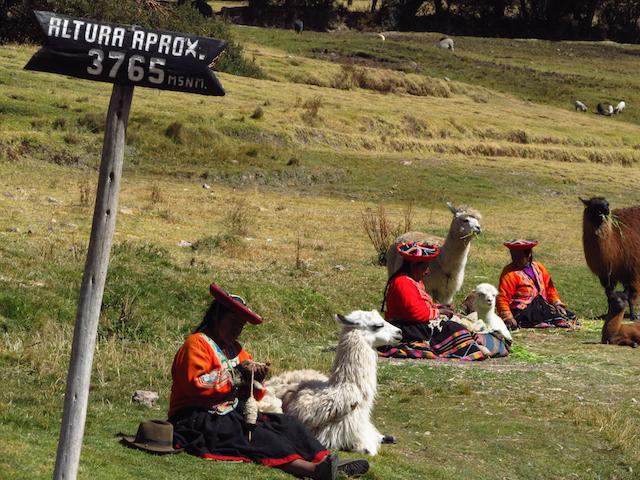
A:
[406,302]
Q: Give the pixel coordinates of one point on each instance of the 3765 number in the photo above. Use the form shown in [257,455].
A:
[135,68]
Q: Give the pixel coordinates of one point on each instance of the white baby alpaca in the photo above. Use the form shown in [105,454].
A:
[485,310]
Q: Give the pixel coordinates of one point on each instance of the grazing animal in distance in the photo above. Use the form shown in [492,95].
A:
[611,242]
[620,107]
[445,43]
[485,309]
[446,271]
[615,332]
[337,409]
[604,109]
[580,107]
[298,26]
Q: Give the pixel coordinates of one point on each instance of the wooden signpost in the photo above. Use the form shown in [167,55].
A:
[125,56]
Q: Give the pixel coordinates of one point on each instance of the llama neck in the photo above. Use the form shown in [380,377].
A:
[483,311]
[355,362]
[612,325]
[454,251]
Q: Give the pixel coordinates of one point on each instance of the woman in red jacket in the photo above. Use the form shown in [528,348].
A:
[411,308]
[527,296]
[212,375]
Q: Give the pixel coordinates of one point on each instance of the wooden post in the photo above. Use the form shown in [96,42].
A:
[95,272]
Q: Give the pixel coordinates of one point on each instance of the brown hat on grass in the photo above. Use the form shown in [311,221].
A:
[154,436]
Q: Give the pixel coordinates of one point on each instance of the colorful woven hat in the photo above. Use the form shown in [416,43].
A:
[520,244]
[415,252]
[236,304]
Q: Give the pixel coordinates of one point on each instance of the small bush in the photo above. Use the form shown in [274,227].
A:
[72,138]
[84,188]
[93,122]
[311,110]
[174,132]
[220,241]
[518,136]
[381,233]
[155,194]
[258,113]
[238,218]
[59,124]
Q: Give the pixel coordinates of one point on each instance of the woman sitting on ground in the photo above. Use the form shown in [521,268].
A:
[527,296]
[410,308]
[212,376]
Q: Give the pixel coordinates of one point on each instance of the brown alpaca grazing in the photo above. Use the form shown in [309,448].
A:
[614,331]
[611,241]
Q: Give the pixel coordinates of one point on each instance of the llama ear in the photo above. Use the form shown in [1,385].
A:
[346,321]
[453,209]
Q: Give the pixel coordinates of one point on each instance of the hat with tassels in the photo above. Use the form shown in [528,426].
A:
[415,252]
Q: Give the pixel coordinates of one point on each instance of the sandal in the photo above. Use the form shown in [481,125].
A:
[353,468]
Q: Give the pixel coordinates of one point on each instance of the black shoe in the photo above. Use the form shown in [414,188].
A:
[328,468]
[353,468]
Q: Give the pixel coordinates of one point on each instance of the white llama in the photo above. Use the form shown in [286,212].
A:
[484,305]
[446,271]
[337,408]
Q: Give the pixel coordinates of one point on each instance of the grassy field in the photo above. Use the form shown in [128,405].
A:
[269,185]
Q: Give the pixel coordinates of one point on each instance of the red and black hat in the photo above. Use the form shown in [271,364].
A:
[520,244]
[415,252]
[236,304]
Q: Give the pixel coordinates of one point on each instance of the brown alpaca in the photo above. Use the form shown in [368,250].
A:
[614,331]
[611,241]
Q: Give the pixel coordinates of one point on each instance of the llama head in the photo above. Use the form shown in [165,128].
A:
[375,329]
[485,299]
[465,223]
[596,210]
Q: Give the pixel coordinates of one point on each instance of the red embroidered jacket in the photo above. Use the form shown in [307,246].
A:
[407,300]
[517,289]
[201,380]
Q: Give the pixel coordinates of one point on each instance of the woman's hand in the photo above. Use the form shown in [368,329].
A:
[260,370]
[446,309]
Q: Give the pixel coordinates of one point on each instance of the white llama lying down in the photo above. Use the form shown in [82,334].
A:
[337,408]
[485,318]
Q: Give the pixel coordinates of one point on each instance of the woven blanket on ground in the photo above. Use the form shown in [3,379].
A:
[460,345]
[494,342]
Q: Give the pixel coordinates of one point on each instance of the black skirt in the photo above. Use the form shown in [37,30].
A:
[276,440]
[541,314]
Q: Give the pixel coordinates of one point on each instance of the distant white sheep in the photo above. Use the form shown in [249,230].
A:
[620,107]
[605,109]
[580,107]
[445,43]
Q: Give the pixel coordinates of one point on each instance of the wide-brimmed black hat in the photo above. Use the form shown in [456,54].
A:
[236,304]
[154,436]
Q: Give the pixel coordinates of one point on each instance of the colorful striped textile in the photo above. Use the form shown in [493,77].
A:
[460,345]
